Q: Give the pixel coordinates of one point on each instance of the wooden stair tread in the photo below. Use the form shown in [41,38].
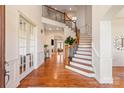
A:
[83,58]
[84,50]
[82,63]
[84,70]
[84,54]
[84,47]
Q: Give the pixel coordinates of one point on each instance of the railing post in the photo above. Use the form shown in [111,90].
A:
[64,17]
[66,54]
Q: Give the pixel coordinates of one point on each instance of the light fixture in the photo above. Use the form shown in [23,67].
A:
[74,18]
[69,8]
[56,8]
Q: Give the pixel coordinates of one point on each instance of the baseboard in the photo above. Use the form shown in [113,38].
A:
[13,85]
[105,81]
[36,67]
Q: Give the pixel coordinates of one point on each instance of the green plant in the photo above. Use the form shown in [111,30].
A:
[45,46]
[69,40]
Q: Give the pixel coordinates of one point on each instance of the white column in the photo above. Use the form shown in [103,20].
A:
[105,53]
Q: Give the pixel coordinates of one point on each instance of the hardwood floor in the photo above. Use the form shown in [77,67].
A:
[53,74]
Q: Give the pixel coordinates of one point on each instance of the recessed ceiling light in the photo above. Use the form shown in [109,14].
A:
[55,8]
[69,8]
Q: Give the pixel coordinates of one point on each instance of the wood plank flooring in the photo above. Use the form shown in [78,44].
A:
[53,74]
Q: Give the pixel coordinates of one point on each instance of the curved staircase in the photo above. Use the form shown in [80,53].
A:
[82,59]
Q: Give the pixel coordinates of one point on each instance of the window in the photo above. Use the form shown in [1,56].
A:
[26,45]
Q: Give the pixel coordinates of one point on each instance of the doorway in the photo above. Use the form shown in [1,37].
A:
[26,47]
[2,45]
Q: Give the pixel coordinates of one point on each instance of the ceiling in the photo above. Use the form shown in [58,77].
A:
[120,14]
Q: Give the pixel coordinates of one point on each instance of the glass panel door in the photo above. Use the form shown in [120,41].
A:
[26,46]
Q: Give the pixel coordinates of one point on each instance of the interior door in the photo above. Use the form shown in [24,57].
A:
[2,46]
[26,47]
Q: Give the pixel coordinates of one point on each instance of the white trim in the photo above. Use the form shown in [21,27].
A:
[93,47]
[105,81]
[97,55]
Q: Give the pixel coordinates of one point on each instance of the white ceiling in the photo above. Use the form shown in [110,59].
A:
[120,14]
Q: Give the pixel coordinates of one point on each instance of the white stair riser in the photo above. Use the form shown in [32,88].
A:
[87,43]
[80,52]
[84,46]
[86,39]
[81,60]
[82,66]
[87,49]
[81,72]
[82,56]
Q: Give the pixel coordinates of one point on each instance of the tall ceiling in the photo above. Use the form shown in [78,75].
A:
[120,14]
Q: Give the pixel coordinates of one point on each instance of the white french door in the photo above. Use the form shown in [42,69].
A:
[26,47]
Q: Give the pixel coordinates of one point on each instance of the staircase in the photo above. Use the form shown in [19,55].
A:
[82,60]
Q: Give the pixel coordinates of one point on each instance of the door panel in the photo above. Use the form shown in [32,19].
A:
[2,45]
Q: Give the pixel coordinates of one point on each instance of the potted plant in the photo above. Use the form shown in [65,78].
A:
[46,51]
[45,46]
[69,42]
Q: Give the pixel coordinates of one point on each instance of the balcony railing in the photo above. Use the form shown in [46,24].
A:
[57,15]
[52,13]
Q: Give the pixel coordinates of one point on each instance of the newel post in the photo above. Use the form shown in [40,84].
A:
[66,55]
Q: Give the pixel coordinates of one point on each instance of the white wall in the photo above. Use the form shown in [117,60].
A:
[81,18]
[84,16]
[117,30]
[100,61]
[33,13]
[51,35]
